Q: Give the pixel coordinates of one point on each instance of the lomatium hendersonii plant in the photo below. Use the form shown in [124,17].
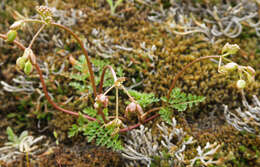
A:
[95,121]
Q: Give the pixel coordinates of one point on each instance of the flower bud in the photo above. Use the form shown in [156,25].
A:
[96,105]
[241,84]
[132,108]
[45,12]
[16,25]
[11,35]
[28,68]
[102,99]
[20,62]
[230,49]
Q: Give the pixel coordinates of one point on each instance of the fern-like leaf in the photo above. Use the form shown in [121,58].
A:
[181,101]
[166,115]
[143,99]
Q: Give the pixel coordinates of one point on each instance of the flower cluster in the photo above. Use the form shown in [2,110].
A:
[244,72]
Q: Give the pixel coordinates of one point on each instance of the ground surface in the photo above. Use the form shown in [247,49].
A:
[139,41]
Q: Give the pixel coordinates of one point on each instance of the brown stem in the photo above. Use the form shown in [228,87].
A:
[71,112]
[183,70]
[137,125]
[52,102]
[103,76]
[100,112]
[15,41]
[34,37]
[92,79]
[44,85]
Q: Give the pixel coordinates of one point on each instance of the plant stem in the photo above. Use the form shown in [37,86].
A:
[44,85]
[71,112]
[15,42]
[103,76]
[137,125]
[81,45]
[52,102]
[92,79]
[184,69]
[116,102]
[34,37]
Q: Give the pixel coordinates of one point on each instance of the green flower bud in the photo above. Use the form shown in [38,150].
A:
[20,62]
[28,68]
[241,84]
[11,35]
[230,49]
[16,25]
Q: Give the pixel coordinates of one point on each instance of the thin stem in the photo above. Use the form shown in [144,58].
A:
[109,89]
[52,102]
[44,85]
[103,76]
[126,91]
[184,69]
[152,110]
[92,79]
[137,125]
[81,45]
[15,42]
[27,159]
[34,37]
[116,102]
[34,21]
[71,112]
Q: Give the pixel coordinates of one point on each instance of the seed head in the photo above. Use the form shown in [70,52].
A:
[11,35]
[28,68]
[20,62]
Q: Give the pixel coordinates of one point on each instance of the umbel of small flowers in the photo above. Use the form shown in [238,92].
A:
[246,73]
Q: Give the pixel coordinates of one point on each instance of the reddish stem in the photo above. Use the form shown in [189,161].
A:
[184,69]
[85,52]
[44,85]
[15,41]
[52,102]
[102,80]
[103,76]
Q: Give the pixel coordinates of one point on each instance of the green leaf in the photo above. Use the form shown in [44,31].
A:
[143,99]
[73,130]
[166,115]
[90,111]
[181,101]
[11,136]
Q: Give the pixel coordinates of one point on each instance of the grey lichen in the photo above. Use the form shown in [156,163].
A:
[247,119]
